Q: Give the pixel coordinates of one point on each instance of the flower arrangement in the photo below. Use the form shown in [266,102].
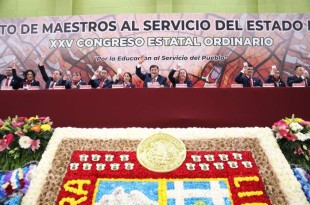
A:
[23,140]
[14,184]
[303,177]
[293,136]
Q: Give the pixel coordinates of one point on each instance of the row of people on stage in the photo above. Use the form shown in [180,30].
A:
[100,78]
[246,78]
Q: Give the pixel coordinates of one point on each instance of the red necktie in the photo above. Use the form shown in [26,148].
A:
[52,85]
[251,82]
[7,82]
[101,83]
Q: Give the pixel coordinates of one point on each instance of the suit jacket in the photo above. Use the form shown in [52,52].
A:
[95,83]
[147,78]
[22,81]
[33,83]
[15,82]
[293,79]
[271,79]
[69,84]
[245,81]
[308,82]
[121,82]
[174,81]
[49,80]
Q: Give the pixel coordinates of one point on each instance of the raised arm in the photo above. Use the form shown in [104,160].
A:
[171,78]
[165,82]
[292,80]
[138,68]
[269,79]
[15,76]
[239,78]
[42,70]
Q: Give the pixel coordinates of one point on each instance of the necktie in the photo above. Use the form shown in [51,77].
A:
[306,82]
[101,83]
[52,85]
[7,81]
[276,81]
[251,82]
[153,80]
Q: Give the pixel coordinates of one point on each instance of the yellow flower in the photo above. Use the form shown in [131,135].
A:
[4,186]
[5,128]
[46,127]
[298,120]
[288,121]
[33,118]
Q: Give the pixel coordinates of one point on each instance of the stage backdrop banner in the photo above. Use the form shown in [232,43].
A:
[211,47]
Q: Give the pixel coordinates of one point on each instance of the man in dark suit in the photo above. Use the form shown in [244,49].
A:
[298,77]
[245,77]
[100,79]
[75,82]
[151,77]
[9,80]
[307,78]
[275,78]
[51,82]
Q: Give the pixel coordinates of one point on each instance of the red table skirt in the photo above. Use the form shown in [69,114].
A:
[165,107]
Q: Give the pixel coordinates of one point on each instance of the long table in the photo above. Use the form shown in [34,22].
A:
[142,107]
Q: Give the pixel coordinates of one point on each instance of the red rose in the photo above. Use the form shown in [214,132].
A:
[290,136]
[8,138]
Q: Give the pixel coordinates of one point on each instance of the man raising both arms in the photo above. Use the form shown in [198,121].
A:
[151,77]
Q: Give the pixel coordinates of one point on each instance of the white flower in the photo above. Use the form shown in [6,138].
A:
[30,175]
[302,137]
[24,142]
[14,180]
[296,127]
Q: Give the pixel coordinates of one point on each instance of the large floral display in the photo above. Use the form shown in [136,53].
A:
[105,178]
[221,166]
